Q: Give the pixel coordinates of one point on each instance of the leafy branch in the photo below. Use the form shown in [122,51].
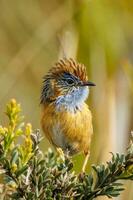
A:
[26,173]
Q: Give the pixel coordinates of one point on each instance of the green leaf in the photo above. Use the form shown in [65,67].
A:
[21,171]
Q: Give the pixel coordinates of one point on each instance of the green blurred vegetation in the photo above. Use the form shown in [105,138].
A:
[98,33]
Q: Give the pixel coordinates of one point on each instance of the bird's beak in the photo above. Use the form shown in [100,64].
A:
[87,83]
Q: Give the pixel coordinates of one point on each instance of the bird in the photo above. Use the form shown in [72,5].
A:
[66,119]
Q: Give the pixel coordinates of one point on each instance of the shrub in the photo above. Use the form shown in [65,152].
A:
[26,173]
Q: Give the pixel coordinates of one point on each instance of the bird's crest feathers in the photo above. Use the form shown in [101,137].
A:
[69,66]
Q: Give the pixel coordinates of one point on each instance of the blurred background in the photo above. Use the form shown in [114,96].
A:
[98,33]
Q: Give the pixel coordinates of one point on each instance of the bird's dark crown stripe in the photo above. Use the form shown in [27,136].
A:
[69,75]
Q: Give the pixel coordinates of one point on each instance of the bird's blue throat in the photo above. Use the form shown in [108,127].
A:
[72,101]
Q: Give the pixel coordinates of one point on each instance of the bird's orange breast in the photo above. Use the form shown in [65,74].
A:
[67,130]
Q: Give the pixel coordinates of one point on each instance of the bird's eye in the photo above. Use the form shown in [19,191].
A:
[70,81]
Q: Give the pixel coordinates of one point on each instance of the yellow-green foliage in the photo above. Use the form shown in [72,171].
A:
[12,133]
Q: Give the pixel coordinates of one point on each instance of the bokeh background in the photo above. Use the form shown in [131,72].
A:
[99,33]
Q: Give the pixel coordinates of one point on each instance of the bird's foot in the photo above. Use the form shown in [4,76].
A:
[60,153]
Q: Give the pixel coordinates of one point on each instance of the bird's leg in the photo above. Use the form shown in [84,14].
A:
[87,155]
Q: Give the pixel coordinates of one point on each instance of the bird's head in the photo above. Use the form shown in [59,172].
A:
[66,82]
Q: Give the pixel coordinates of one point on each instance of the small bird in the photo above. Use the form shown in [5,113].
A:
[66,119]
